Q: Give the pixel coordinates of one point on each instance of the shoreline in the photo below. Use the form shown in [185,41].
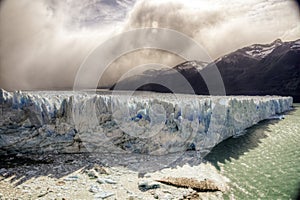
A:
[79,176]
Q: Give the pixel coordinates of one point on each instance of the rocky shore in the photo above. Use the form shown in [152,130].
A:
[85,176]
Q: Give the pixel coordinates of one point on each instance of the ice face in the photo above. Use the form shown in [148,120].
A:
[149,123]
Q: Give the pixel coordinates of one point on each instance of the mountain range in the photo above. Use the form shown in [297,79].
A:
[259,69]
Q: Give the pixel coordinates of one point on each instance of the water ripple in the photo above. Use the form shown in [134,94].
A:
[265,162]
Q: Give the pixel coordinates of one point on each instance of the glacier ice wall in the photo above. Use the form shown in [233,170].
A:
[150,123]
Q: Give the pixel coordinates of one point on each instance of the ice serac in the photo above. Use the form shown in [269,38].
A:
[150,123]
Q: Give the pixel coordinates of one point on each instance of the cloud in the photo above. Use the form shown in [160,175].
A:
[42,43]
[221,26]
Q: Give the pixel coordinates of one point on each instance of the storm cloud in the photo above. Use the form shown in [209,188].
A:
[43,43]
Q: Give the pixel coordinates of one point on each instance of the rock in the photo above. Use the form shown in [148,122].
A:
[101,180]
[106,180]
[65,188]
[147,176]
[156,195]
[60,183]
[201,186]
[71,178]
[191,195]
[163,195]
[100,169]
[95,189]
[110,181]
[92,173]
[114,187]
[104,194]
[44,193]
[145,185]
[3,171]
[167,197]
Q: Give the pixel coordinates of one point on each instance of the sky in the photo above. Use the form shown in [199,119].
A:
[43,43]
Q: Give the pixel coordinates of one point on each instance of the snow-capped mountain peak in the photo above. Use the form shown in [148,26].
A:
[199,65]
[261,50]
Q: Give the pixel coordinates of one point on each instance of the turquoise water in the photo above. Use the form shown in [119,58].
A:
[265,162]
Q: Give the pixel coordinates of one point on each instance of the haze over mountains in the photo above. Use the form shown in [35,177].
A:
[259,69]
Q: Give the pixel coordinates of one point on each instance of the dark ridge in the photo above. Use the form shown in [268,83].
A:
[259,69]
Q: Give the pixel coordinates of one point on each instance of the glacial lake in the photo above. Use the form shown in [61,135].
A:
[265,162]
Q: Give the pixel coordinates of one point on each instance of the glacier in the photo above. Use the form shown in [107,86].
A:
[121,122]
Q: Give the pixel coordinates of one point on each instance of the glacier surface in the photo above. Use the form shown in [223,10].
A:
[148,123]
